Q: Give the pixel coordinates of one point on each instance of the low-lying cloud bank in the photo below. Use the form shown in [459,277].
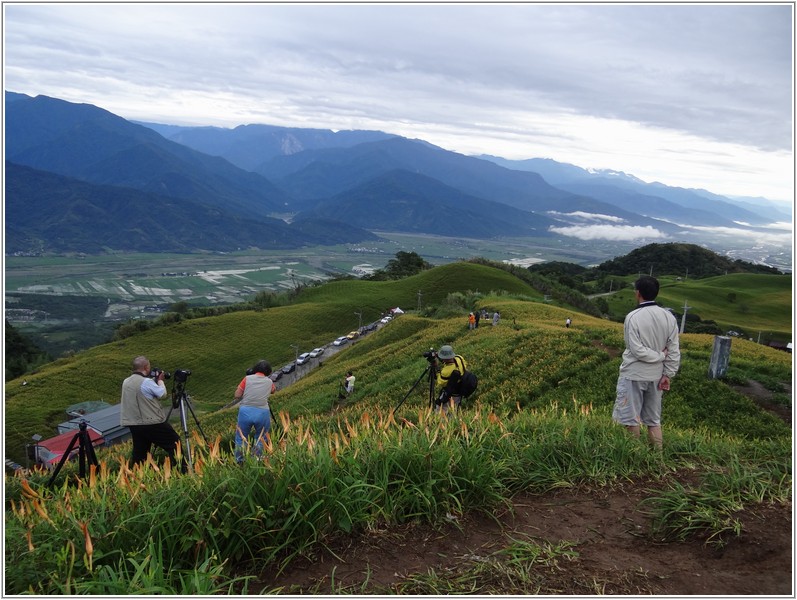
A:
[620,233]
[780,234]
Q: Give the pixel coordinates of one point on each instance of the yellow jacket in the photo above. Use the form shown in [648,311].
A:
[451,373]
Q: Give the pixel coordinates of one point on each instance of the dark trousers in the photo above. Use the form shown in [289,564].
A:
[161,435]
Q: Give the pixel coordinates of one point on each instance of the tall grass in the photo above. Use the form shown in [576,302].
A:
[136,531]
[541,420]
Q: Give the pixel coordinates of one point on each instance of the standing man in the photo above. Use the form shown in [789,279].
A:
[450,378]
[143,414]
[651,357]
[254,413]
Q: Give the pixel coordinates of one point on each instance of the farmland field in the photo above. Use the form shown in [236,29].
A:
[54,299]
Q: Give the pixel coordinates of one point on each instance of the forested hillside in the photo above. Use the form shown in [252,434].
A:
[685,260]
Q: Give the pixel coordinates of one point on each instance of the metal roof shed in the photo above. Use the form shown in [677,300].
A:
[105,421]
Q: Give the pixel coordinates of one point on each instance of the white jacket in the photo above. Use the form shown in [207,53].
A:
[651,343]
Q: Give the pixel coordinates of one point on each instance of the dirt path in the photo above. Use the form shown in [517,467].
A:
[607,530]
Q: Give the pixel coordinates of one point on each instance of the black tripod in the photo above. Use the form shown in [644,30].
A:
[85,452]
[431,370]
[180,400]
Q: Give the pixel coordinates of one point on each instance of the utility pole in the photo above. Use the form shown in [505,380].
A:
[759,337]
[419,300]
[651,270]
[687,274]
[360,315]
[683,318]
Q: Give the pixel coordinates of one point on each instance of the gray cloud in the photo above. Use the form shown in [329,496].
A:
[522,78]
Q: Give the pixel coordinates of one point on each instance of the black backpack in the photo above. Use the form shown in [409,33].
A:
[468,383]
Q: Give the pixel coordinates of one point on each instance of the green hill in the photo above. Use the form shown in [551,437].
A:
[676,258]
[540,421]
[218,350]
[744,302]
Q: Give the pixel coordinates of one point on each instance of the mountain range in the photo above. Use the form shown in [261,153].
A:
[81,179]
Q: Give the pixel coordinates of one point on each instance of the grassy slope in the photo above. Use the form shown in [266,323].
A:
[529,360]
[218,350]
[762,302]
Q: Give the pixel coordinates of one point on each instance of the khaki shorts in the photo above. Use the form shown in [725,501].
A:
[637,403]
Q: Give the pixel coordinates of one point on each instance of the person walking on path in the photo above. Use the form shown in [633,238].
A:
[496,317]
[471,321]
[476,316]
[651,358]
[567,322]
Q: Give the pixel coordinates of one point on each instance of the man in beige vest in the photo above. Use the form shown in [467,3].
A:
[143,413]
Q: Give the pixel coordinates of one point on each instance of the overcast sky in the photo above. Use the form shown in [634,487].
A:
[688,95]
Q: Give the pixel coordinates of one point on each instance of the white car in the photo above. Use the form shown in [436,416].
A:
[340,341]
[303,358]
[316,352]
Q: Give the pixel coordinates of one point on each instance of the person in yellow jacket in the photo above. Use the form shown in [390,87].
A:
[449,378]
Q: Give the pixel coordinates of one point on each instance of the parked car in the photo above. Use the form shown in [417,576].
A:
[289,368]
[275,375]
[385,320]
[316,352]
[340,341]
[353,335]
[303,358]
[370,326]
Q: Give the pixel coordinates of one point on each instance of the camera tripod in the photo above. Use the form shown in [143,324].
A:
[180,401]
[431,370]
[85,452]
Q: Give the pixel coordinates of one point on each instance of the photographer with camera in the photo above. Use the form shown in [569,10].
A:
[450,378]
[254,413]
[143,414]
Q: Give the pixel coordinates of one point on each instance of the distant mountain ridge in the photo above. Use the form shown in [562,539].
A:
[336,186]
[629,189]
[52,213]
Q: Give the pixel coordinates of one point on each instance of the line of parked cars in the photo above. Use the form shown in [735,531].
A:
[304,357]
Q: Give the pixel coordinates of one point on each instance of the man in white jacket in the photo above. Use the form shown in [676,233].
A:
[651,357]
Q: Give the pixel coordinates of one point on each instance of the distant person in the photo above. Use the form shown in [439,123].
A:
[471,321]
[143,414]
[496,318]
[348,383]
[476,316]
[651,357]
[567,322]
[449,378]
[254,414]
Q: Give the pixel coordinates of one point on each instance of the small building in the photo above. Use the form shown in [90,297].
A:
[104,421]
[49,452]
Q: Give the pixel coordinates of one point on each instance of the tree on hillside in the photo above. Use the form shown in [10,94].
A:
[403,265]
[688,260]
[22,355]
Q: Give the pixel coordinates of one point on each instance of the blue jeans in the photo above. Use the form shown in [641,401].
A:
[251,417]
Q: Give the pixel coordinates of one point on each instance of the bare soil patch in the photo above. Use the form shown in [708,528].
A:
[607,529]
[763,397]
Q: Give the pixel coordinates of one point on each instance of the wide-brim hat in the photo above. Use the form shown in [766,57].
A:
[446,352]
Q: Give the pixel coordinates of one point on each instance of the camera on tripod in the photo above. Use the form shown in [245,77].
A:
[180,375]
[431,356]
[155,373]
